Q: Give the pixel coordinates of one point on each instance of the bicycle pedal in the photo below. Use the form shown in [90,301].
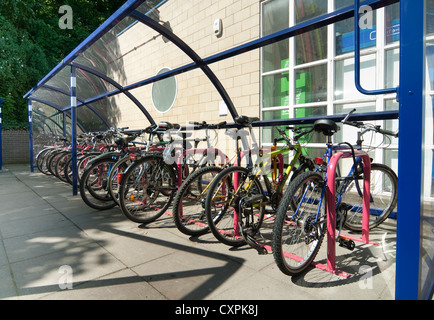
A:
[347,243]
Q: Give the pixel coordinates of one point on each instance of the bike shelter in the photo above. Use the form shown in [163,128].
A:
[95,88]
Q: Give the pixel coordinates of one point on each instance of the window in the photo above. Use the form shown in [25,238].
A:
[344,77]
[311,84]
[312,45]
[344,32]
[275,17]
[392,23]
[303,76]
[164,92]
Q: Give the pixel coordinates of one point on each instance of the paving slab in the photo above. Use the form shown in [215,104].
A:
[53,246]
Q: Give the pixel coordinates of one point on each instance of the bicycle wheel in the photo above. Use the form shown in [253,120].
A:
[41,158]
[51,161]
[147,189]
[93,185]
[300,224]
[59,167]
[384,195]
[116,175]
[189,203]
[234,205]
[45,161]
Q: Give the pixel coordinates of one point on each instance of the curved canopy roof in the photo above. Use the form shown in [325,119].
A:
[103,73]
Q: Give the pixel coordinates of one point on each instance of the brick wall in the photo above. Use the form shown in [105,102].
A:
[15,146]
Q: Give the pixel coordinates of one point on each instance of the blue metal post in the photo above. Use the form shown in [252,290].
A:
[1,144]
[64,124]
[74,130]
[411,127]
[30,135]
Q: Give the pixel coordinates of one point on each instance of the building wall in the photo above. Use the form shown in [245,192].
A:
[197,99]
[15,146]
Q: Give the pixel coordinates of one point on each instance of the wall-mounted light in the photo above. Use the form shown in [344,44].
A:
[218,27]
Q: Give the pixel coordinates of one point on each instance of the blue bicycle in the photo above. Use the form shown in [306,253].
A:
[301,218]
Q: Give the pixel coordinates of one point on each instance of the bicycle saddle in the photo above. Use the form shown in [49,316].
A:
[326,126]
[244,120]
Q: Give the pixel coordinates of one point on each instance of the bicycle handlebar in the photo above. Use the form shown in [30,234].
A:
[203,124]
[366,127]
[296,137]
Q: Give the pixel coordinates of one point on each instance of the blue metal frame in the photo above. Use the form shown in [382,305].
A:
[30,134]
[74,131]
[357,57]
[411,124]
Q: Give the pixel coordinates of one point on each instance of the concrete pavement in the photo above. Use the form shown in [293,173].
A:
[53,246]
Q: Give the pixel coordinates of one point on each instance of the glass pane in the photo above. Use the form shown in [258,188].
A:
[311,46]
[311,84]
[309,9]
[392,23]
[391,125]
[429,17]
[430,59]
[275,17]
[315,137]
[344,31]
[164,92]
[344,77]
[313,153]
[339,4]
[269,133]
[348,133]
[391,79]
[275,90]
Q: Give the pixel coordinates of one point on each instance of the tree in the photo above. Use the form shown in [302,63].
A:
[31,44]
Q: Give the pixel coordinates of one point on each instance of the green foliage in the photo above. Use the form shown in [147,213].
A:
[32,43]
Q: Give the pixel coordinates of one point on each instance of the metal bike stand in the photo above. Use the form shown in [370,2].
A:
[331,207]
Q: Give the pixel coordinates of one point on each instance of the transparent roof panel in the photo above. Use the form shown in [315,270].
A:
[146,47]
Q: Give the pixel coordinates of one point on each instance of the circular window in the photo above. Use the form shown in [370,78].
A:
[164,92]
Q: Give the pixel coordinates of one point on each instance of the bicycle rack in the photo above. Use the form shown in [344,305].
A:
[331,208]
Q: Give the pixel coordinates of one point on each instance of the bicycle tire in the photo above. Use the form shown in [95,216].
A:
[297,234]
[93,185]
[188,205]
[119,167]
[51,162]
[223,202]
[384,196]
[147,189]
[60,165]
[41,157]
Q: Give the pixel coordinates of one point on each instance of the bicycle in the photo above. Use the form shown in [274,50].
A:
[236,200]
[300,223]
[149,184]
[188,205]
[97,177]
